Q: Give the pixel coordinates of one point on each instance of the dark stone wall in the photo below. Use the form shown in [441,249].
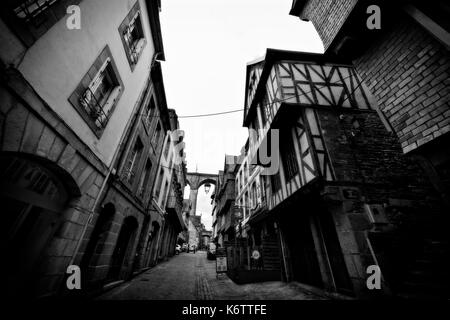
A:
[362,151]
[24,134]
[408,71]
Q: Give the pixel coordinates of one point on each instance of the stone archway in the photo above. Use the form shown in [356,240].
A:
[34,194]
[195,181]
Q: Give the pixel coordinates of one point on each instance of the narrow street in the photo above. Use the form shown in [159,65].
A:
[191,276]
[305,143]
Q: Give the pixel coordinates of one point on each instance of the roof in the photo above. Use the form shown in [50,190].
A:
[271,57]
[297,7]
[153,8]
[157,78]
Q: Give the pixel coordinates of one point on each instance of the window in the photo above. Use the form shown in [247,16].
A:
[132,35]
[166,190]
[275,182]
[98,92]
[156,134]
[263,113]
[167,147]
[245,173]
[246,204]
[32,10]
[150,113]
[267,108]
[160,178]
[254,195]
[288,156]
[129,171]
[262,185]
[144,179]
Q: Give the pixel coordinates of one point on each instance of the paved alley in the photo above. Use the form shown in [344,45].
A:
[191,276]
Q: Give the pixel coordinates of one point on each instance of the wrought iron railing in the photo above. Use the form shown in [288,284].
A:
[133,44]
[93,108]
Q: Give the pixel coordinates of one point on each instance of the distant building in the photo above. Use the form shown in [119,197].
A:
[194,229]
[183,236]
[224,199]
[206,239]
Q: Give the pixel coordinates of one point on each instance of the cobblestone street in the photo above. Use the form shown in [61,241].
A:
[191,276]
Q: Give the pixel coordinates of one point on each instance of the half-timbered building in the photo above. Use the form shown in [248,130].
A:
[335,184]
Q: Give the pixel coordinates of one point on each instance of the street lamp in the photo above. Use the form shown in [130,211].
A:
[207,187]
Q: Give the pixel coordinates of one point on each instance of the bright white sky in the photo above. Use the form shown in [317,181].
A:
[208,44]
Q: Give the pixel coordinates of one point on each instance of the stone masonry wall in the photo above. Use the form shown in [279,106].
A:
[26,133]
[408,71]
[328,16]
[372,156]
[369,160]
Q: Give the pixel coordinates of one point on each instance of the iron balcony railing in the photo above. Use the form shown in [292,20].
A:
[93,108]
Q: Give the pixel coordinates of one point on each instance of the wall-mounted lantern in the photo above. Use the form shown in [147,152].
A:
[207,187]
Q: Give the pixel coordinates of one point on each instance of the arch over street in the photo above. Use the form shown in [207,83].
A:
[195,180]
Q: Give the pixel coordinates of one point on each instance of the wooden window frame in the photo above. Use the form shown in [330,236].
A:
[95,111]
[129,172]
[143,184]
[133,21]
[288,155]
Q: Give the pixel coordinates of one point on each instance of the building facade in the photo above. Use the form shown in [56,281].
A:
[183,237]
[224,199]
[171,182]
[342,197]
[406,66]
[194,229]
[82,115]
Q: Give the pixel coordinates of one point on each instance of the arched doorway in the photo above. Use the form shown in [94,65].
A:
[32,195]
[120,258]
[139,259]
[97,239]
[152,243]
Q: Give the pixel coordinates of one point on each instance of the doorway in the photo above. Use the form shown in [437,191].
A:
[303,256]
[97,238]
[333,252]
[32,200]
[120,259]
